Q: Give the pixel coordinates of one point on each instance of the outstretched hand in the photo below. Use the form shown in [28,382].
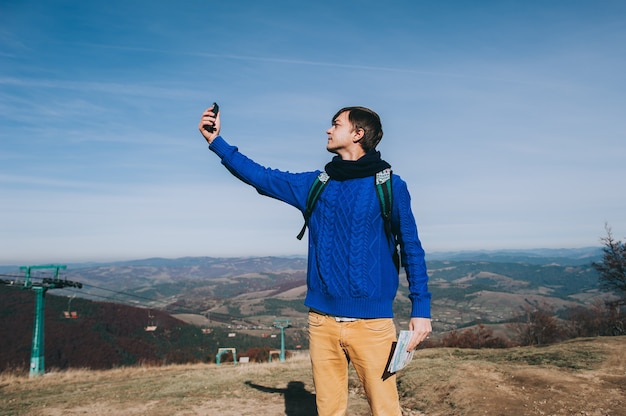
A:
[211,120]
[421,328]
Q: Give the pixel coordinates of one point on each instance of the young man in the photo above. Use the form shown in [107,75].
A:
[352,278]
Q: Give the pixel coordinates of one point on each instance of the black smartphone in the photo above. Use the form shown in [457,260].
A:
[216,109]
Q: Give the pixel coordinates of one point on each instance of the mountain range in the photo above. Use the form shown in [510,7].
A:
[235,301]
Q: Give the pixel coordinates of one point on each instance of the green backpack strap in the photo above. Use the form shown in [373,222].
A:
[384,191]
[316,189]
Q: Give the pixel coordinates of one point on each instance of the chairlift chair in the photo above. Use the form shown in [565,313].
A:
[151,327]
[69,313]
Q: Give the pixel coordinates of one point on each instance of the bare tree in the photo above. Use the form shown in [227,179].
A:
[536,324]
[479,337]
[612,267]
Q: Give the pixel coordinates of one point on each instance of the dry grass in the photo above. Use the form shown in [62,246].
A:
[579,377]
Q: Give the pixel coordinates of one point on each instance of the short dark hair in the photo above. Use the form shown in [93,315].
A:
[369,121]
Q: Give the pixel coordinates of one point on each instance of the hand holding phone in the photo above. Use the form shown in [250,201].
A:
[216,109]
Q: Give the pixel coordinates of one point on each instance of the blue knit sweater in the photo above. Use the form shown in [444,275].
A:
[350,265]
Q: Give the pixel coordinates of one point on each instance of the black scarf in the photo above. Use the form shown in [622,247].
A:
[367,165]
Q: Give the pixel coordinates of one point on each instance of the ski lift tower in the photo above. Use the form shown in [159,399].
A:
[282,324]
[37,348]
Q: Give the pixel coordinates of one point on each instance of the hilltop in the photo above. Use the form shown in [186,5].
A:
[578,377]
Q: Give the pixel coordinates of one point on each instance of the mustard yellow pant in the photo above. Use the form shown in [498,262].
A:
[366,344]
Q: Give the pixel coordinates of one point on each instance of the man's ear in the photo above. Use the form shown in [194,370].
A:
[358,135]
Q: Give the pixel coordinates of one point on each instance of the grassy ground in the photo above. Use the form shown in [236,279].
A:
[579,377]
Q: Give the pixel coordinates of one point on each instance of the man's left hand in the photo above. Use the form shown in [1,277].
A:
[421,328]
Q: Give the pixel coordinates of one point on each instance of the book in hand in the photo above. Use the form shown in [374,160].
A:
[399,357]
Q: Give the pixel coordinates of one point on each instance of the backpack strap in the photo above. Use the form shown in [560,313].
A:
[383,189]
[316,189]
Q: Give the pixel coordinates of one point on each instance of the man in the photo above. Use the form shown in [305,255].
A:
[352,278]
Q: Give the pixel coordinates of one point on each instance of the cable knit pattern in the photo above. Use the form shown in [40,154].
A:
[350,266]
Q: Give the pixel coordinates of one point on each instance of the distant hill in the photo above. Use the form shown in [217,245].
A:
[568,256]
[106,335]
[564,256]
[265,287]
[245,296]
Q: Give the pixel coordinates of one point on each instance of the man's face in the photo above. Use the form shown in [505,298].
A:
[341,135]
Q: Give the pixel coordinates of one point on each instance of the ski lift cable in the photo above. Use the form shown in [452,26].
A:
[87,292]
[127,294]
[164,303]
[39,277]
[123,293]
[113,299]
[90,293]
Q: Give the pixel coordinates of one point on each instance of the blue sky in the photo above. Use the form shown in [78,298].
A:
[506,118]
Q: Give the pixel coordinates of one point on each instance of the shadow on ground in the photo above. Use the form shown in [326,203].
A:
[298,400]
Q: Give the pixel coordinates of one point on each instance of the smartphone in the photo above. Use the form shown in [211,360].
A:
[216,109]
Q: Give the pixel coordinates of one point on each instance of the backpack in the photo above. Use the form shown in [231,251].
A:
[382,182]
